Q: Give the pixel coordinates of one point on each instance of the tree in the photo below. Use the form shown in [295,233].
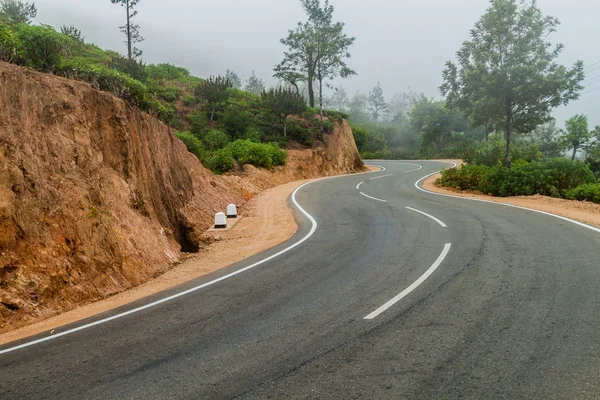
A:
[17,12]
[73,32]
[377,102]
[402,103]
[130,30]
[577,135]
[339,98]
[235,80]
[507,74]
[358,107]
[255,85]
[214,92]
[317,49]
[546,137]
[435,123]
[283,103]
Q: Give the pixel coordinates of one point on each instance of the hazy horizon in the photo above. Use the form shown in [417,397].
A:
[401,45]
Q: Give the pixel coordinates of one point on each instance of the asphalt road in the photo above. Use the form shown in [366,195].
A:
[510,311]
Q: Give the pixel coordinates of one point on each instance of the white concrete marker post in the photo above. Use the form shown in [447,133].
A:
[220,220]
[231,211]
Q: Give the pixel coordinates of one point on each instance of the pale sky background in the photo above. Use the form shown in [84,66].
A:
[402,43]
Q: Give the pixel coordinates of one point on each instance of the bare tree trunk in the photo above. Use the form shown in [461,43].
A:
[507,132]
[311,91]
[321,101]
[285,127]
[574,153]
[487,131]
[129,51]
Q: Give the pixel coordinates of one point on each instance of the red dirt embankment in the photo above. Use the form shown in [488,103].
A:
[97,197]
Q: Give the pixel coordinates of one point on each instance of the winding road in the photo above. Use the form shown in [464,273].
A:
[386,292]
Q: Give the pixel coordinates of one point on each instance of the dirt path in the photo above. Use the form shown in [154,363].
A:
[266,222]
[582,211]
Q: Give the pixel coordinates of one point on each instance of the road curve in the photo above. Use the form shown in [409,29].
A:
[467,299]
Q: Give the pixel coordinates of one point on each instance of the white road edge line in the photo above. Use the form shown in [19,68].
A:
[374,198]
[196,288]
[358,186]
[379,177]
[593,228]
[415,285]
[430,216]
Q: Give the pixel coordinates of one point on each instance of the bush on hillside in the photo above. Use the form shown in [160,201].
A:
[221,161]
[40,47]
[109,80]
[257,154]
[298,133]
[189,100]
[8,44]
[215,140]
[193,145]
[253,134]
[328,126]
[170,94]
[338,116]
[236,121]
[587,192]
[198,123]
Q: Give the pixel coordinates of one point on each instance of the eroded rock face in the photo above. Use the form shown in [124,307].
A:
[97,197]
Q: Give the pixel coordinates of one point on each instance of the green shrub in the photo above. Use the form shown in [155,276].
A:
[133,68]
[166,113]
[193,145]
[552,178]
[278,156]
[166,72]
[40,47]
[588,192]
[253,134]
[468,177]
[298,133]
[338,116]
[8,44]
[257,154]
[189,100]
[215,140]
[198,123]
[361,136]
[236,121]
[328,126]
[109,80]
[170,94]
[221,161]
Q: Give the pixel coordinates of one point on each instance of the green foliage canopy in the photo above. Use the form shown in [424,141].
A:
[507,73]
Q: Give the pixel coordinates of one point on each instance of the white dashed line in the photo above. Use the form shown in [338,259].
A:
[374,198]
[415,285]
[443,225]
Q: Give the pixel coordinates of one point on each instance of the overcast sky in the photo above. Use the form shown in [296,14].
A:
[402,43]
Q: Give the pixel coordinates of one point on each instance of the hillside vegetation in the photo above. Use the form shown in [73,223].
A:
[220,124]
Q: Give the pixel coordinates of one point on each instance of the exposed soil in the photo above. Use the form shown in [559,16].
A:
[97,197]
[582,211]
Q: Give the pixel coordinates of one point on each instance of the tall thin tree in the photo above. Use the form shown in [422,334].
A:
[130,30]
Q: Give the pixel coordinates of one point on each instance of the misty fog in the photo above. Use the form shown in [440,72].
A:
[402,44]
